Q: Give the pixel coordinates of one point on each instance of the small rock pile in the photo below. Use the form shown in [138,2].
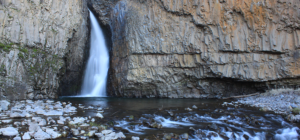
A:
[281,101]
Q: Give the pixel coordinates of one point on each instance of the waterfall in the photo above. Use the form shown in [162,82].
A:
[95,76]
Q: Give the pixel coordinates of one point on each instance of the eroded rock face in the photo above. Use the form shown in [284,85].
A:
[42,42]
[201,48]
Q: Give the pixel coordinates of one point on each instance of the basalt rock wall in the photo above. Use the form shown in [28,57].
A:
[158,48]
[201,48]
[42,47]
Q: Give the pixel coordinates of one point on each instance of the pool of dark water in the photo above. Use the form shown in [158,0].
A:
[186,118]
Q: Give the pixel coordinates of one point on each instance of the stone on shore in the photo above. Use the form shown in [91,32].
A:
[9,131]
[41,135]
[4,105]
[26,136]
[135,138]
[99,115]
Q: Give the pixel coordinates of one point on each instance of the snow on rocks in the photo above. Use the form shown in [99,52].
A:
[45,119]
[91,133]
[6,121]
[41,135]
[99,115]
[135,138]
[110,135]
[188,109]
[9,131]
[194,107]
[17,138]
[77,120]
[113,135]
[52,133]
[26,136]
[4,105]
[75,131]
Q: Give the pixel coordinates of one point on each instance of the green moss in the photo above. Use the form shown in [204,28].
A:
[16,9]
[33,55]
[34,50]
[21,55]
[2,45]
[7,48]
[2,68]
[54,31]
[296,110]
[100,126]
[24,50]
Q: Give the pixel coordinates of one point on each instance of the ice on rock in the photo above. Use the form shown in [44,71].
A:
[99,115]
[4,105]
[39,120]
[82,132]
[6,121]
[53,113]
[9,131]
[112,135]
[58,105]
[28,108]
[39,110]
[26,136]
[41,135]
[29,102]
[194,107]
[28,115]
[69,108]
[51,121]
[99,135]
[61,120]
[90,107]
[52,133]
[105,132]
[49,101]
[17,138]
[17,115]
[77,120]
[34,127]
[75,131]
[91,133]
[135,138]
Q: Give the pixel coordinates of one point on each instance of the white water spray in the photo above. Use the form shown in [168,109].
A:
[94,83]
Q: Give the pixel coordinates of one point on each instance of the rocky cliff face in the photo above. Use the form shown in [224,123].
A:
[42,42]
[201,48]
[159,48]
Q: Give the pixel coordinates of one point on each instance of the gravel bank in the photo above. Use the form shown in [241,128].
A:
[281,101]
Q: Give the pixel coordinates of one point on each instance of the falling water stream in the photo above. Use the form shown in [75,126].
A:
[94,84]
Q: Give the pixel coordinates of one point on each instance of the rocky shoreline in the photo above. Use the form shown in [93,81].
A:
[282,101]
[48,119]
[164,118]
